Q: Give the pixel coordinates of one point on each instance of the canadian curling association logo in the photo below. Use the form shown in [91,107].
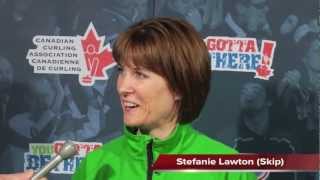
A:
[85,55]
[41,153]
[241,55]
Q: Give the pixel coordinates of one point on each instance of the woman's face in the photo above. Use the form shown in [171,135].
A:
[146,100]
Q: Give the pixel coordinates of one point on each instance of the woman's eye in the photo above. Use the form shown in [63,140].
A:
[140,75]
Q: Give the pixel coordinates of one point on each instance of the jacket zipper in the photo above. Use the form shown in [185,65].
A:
[149,160]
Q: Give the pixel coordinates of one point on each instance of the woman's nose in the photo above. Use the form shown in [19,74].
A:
[124,84]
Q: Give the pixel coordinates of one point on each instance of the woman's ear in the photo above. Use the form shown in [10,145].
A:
[177,97]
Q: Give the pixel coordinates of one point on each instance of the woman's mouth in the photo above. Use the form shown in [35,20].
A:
[129,105]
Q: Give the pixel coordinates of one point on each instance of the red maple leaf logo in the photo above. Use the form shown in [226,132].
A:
[98,57]
[264,70]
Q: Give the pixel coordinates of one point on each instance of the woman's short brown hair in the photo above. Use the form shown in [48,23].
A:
[173,49]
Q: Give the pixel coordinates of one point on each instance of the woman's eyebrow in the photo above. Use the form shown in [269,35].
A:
[137,68]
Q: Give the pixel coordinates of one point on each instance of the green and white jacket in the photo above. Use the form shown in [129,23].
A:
[129,156]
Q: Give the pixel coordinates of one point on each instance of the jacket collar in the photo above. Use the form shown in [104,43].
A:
[137,143]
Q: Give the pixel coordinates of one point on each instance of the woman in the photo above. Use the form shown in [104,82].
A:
[163,82]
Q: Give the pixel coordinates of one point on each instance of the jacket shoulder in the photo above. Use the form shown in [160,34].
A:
[110,148]
[204,144]
[98,162]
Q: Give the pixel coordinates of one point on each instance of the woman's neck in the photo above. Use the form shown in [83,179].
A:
[161,132]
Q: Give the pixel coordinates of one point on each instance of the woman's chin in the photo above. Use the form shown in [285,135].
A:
[131,123]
